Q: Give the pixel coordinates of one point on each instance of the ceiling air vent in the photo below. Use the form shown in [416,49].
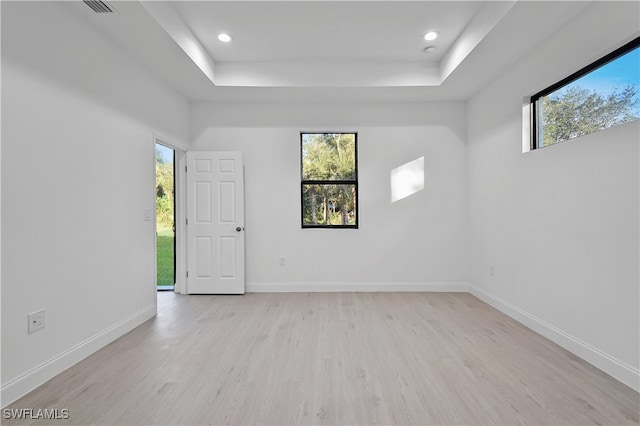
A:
[99,6]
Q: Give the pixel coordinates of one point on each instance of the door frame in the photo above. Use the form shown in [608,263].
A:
[180,162]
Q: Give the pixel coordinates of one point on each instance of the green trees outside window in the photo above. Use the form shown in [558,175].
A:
[577,111]
[329,184]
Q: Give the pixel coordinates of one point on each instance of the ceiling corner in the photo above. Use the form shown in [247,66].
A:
[169,19]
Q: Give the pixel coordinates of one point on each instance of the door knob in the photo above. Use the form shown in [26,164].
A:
[238,229]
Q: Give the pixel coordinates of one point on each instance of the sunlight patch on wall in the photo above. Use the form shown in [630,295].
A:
[407,179]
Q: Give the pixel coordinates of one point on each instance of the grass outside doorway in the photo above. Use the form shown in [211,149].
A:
[165,247]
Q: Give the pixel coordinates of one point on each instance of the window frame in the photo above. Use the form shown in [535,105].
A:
[353,182]
[610,57]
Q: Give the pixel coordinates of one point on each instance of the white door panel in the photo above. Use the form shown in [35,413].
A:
[215,230]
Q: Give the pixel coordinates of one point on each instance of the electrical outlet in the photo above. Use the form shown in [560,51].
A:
[492,270]
[36,321]
[283,261]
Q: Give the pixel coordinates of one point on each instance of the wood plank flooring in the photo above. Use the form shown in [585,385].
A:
[333,358]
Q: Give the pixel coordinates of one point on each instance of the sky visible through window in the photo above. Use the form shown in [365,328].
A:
[616,75]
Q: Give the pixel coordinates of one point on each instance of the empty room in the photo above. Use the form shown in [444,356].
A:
[320,212]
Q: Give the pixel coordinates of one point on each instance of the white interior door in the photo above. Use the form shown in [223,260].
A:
[215,223]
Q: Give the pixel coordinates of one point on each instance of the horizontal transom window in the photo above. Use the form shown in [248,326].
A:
[602,94]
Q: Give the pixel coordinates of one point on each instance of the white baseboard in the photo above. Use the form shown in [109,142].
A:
[335,287]
[613,367]
[35,377]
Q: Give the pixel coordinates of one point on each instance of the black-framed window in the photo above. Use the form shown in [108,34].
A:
[329,179]
[600,95]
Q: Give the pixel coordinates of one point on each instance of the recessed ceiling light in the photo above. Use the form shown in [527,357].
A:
[226,38]
[431,35]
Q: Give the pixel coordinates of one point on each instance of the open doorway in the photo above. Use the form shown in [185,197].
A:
[165,218]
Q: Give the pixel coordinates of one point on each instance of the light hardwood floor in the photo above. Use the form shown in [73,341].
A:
[333,358]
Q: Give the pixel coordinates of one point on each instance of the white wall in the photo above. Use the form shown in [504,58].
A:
[416,243]
[560,224]
[78,119]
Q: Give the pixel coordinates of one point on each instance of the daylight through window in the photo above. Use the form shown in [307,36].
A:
[601,95]
[329,184]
